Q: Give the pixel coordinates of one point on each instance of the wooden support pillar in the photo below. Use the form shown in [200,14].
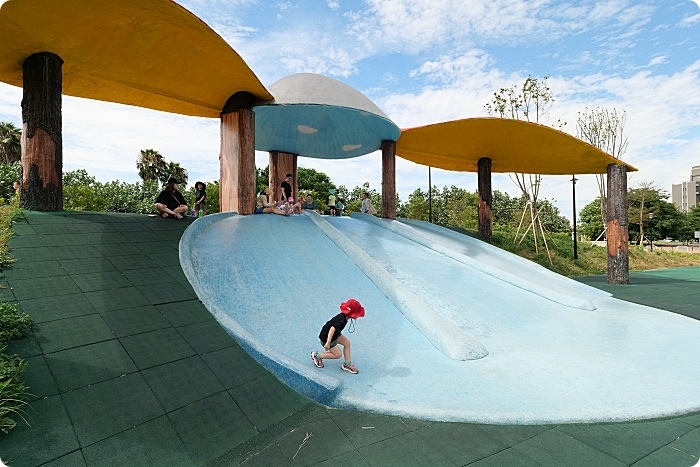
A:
[42,141]
[389,179]
[237,156]
[281,164]
[485,199]
[617,234]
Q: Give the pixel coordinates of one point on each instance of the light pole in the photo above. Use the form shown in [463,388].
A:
[573,197]
[430,197]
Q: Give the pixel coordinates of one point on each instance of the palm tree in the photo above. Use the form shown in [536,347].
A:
[151,165]
[10,143]
[175,170]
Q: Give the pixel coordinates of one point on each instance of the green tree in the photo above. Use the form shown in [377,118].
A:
[152,165]
[10,143]
[262,179]
[315,183]
[505,207]
[178,172]
[8,174]
[651,216]
[589,220]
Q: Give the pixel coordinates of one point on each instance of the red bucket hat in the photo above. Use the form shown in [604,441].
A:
[352,309]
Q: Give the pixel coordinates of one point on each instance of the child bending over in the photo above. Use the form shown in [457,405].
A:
[331,335]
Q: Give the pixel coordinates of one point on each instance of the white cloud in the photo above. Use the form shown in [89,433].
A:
[333,4]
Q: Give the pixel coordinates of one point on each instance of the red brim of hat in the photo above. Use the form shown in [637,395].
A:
[352,308]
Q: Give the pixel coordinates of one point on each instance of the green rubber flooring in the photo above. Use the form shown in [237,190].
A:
[127,367]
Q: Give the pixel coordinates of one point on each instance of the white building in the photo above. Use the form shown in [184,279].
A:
[686,195]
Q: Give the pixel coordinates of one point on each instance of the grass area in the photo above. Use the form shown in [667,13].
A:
[591,259]
[13,325]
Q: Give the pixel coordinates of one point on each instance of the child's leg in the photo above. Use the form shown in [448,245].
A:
[333,353]
[347,352]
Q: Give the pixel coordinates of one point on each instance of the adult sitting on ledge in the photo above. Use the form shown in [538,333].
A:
[264,206]
[170,202]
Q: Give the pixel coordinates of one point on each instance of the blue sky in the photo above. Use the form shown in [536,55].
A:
[425,62]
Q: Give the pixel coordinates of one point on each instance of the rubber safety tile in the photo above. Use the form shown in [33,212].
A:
[157,247]
[25,289]
[185,313]
[49,229]
[6,293]
[688,443]
[74,459]
[182,382]
[89,364]
[271,455]
[22,228]
[131,321]
[34,270]
[54,308]
[25,241]
[27,444]
[349,459]
[405,449]
[133,261]
[617,441]
[265,401]
[116,299]
[363,429]
[324,440]
[25,347]
[73,252]
[206,337]
[86,265]
[93,281]
[150,275]
[94,227]
[167,292]
[554,447]
[668,456]
[38,379]
[72,332]
[143,236]
[156,348]
[233,366]
[108,239]
[105,409]
[165,259]
[63,240]
[154,443]
[220,427]
[31,254]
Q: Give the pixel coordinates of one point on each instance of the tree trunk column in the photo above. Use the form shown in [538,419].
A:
[485,199]
[389,179]
[237,156]
[281,164]
[618,236]
[42,141]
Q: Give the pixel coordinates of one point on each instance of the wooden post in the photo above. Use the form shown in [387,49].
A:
[389,179]
[281,164]
[42,141]
[485,199]
[618,236]
[237,156]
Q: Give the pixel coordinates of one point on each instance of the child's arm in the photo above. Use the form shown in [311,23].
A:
[331,331]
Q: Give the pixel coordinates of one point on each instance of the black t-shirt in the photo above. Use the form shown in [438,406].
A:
[338,322]
[171,199]
[287,189]
[200,194]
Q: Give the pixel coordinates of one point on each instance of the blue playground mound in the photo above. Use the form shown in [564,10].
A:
[455,329]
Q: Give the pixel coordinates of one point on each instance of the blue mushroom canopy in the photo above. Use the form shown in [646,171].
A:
[320,117]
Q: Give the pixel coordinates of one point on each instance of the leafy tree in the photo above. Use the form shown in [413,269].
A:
[151,165]
[531,102]
[177,171]
[211,204]
[651,216]
[605,130]
[353,199]
[589,220]
[10,143]
[504,208]
[262,179]
[8,174]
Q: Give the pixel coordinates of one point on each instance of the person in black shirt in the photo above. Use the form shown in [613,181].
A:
[331,335]
[286,189]
[170,202]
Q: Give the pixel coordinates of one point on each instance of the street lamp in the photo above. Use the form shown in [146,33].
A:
[573,197]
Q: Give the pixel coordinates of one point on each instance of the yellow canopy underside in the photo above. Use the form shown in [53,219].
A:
[512,146]
[147,53]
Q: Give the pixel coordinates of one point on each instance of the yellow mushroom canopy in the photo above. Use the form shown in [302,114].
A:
[147,53]
[512,146]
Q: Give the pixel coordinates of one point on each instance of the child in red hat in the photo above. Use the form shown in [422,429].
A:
[331,336]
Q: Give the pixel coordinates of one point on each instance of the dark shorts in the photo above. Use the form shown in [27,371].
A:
[333,343]
[258,210]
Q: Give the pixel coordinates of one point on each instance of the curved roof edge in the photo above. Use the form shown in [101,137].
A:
[512,146]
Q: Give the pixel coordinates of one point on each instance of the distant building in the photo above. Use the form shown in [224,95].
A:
[686,195]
